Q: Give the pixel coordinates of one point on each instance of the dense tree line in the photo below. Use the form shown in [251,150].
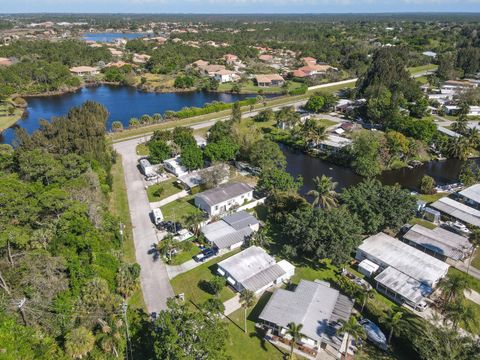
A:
[60,248]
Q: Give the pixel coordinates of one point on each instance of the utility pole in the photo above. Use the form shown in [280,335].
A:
[121,230]
[22,312]
[129,346]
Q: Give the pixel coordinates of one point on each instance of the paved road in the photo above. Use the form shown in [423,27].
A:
[153,276]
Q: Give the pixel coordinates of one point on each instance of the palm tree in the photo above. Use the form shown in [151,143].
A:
[365,295]
[295,332]
[313,133]
[166,246]
[461,125]
[459,148]
[474,137]
[392,321]
[79,342]
[247,299]
[452,288]
[117,126]
[353,329]
[459,312]
[475,241]
[110,338]
[193,222]
[324,194]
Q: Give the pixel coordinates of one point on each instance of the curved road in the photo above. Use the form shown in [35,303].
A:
[154,280]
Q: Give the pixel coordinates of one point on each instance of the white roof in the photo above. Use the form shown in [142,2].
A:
[472,193]
[368,265]
[388,251]
[458,210]
[176,164]
[253,268]
[403,284]
[336,141]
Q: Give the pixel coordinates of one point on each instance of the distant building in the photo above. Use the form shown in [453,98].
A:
[312,70]
[471,195]
[333,143]
[231,231]
[230,59]
[224,76]
[318,308]
[5,61]
[430,54]
[266,58]
[140,58]
[253,269]
[308,61]
[270,80]
[84,70]
[224,198]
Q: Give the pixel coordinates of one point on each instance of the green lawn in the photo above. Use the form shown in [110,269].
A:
[472,282]
[192,285]
[252,345]
[425,223]
[179,209]
[142,150]
[118,206]
[325,272]
[419,69]
[185,255]
[431,198]
[476,322]
[326,123]
[476,260]
[169,188]
[7,120]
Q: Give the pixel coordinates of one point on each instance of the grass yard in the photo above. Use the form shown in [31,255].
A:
[325,272]
[476,322]
[472,282]
[326,123]
[179,209]
[419,69]
[169,188]
[142,150]
[7,120]
[431,198]
[425,223]
[249,87]
[476,260]
[118,206]
[185,255]
[192,282]
[252,345]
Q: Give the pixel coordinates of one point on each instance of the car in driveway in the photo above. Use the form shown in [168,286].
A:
[205,254]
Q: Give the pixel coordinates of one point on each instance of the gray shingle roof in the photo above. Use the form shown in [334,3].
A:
[224,193]
[314,305]
[458,210]
[440,241]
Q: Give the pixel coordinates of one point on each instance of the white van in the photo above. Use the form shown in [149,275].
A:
[157,216]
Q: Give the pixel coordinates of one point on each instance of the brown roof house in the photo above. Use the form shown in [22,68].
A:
[269,80]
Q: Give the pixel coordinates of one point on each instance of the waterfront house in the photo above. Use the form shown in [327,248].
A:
[318,308]
[84,70]
[224,198]
[407,275]
[223,76]
[269,80]
[255,270]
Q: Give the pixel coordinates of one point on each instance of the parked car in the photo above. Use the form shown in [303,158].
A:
[205,254]
[170,226]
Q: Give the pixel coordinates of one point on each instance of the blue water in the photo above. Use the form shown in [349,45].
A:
[111,37]
[122,102]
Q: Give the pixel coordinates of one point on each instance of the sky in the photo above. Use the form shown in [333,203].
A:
[238,6]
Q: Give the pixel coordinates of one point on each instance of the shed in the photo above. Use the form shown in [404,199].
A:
[367,267]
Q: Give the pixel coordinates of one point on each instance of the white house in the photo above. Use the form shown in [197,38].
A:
[224,75]
[224,198]
[175,166]
[253,269]
[84,70]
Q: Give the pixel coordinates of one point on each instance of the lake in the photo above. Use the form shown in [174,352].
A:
[122,102]
[298,163]
[111,37]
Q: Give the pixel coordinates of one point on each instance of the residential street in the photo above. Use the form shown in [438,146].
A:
[153,276]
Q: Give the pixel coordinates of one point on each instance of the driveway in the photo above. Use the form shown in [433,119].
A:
[153,275]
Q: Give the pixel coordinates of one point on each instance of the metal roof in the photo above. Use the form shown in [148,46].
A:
[230,230]
[458,210]
[404,285]
[224,192]
[240,220]
[312,304]
[472,193]
[440,241]
[388,251]
[253,268]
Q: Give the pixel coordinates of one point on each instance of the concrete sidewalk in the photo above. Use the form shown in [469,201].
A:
[232,305]
[169,199]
